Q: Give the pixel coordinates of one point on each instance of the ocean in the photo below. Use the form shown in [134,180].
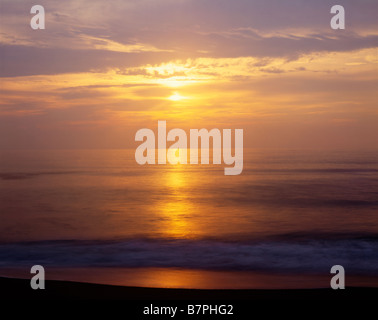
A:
[84,214]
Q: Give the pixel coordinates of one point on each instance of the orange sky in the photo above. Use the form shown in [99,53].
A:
[102,70]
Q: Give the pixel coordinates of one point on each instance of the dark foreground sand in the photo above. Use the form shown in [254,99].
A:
[20,289]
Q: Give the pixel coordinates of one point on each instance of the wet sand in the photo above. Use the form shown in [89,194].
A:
[20,289]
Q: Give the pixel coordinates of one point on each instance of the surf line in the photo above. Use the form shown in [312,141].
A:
[178,151]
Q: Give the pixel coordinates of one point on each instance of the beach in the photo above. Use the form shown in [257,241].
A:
[85,216]
[20,289]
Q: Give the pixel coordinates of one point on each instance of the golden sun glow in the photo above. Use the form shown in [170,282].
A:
[176,97]
[175,212]
[177,156]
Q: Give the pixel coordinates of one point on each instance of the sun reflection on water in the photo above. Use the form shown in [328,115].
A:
[176,208]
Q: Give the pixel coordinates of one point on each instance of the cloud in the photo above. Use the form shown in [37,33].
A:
[103,69]
[85,35]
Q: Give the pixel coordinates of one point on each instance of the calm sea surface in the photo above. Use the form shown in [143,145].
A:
[289,212]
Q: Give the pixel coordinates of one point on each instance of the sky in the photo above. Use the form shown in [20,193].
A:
[102,70]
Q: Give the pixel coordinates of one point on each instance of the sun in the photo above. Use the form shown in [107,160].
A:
[176,97]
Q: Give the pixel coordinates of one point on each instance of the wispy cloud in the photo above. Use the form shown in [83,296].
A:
[103,69]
